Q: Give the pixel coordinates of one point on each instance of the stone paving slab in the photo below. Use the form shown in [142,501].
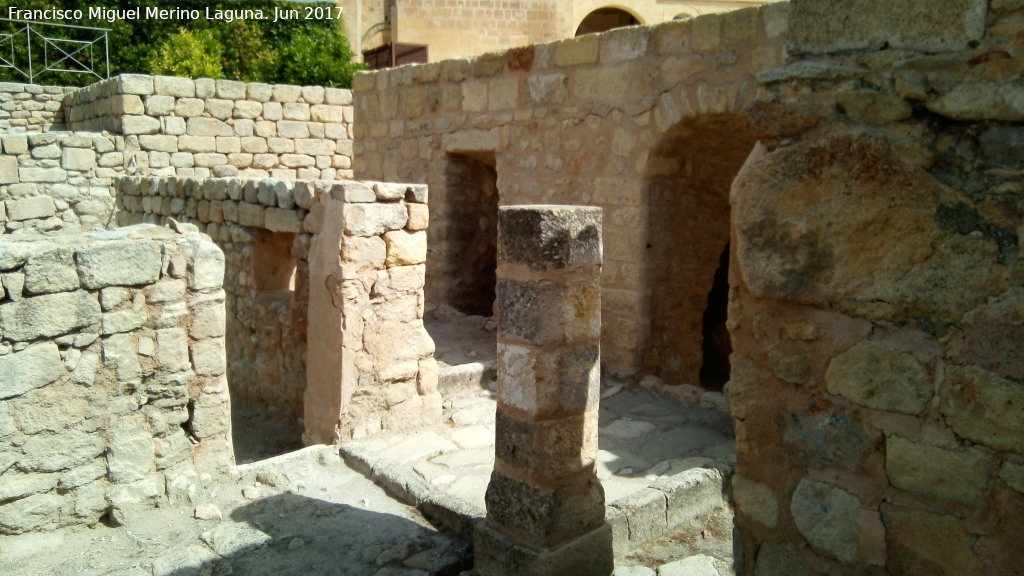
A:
[676,454]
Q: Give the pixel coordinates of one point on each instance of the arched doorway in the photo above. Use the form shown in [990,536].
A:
[604,19]
[688,179]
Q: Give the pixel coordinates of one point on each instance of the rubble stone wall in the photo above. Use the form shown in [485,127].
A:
[602,120]
[264,228]
[55,181]
[877,305]
[204,127]
[111,374]
[30,107]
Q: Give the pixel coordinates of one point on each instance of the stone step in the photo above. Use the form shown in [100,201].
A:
[462,377]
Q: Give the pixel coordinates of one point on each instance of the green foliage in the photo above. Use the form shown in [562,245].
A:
[322,57]
[187,53]
[295,51]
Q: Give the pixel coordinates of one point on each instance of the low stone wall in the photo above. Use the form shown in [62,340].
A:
[205,127]
[31,108]
[381,374]
[111,374]
[876,306]
[58,180]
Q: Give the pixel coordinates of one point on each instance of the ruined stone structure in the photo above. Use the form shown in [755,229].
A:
[111,374]
[877,385]
[28,107]
[545,505]
[621,120]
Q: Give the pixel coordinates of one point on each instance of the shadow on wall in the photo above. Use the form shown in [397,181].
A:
[291,534]
[688,179]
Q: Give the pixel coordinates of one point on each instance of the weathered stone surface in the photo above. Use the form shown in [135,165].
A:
[368,251]
[878,377]
[125,263]
[781,560]
[543,516]
[52,271]
[823,27]
[552,237]
[545,313]
[374,219]
[989,336]
[48,315]
[755,500]
[921,543]
[827,516]
[29,208]
[825,439]
[38,512]
[405,248]
[699,565]
[230,538]
[795,369]
[208,267]
[31,368]
[984,408]
[1013,474]
[958,475]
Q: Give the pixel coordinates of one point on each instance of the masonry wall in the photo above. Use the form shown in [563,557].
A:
[31,108]
[111,374]
[877,385]
[597,120]
[264,228]
[56,181]
[204,127]
[352,252]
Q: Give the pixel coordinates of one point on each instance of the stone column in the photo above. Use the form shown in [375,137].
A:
[545,505]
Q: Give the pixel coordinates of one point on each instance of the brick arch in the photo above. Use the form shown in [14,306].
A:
[643,12]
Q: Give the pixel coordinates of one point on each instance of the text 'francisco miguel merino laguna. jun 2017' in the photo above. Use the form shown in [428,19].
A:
[61,16]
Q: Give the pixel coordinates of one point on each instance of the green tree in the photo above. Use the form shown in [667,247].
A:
[322,56]
[196,54]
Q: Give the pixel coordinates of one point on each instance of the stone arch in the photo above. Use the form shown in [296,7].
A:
[687,180]
[607,17]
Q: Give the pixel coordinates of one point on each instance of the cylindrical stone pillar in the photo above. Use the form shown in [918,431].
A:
[545,505]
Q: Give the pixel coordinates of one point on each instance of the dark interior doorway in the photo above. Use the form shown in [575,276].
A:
[605,19]
[471,241]
[717,346]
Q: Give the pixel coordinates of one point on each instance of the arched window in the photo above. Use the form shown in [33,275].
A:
[604,19]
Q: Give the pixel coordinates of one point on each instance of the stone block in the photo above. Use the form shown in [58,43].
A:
[845,25]
[405,248]
[124,263]
[48,315]
[34,367]
[208,319]
[130,455]
[207,127]
[542,516]
[39,512]
[42,175]
[1013,474]
[579,50]
[543,313]
[545,382]
[189,107]
[81,159]
[14,143]
[419,217]
[983,407]
[51,271]
[827,516]
[691,493]
[958,475]
[291,129]
[187,143]
[369,252]
[135,84]
[550,237]
[230,89]
[172,349]
[374,219]
[8,170]
[278,220]
[30,208]
[158,105]
[247,109]
[552,449]
[209,357]
[133,125]
[925,544]
[174,86]
[498,554]
[126,320]
[207,270]
[296,111]
[878,377]
[623,44]
[159,142]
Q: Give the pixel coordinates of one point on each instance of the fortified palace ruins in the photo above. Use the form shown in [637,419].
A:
[818,202]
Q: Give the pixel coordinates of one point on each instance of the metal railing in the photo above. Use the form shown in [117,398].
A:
[54,53]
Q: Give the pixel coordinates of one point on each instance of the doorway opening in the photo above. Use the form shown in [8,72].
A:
[470,243]
[604,19]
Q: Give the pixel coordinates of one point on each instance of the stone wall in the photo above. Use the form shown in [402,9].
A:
[204,127]
[31,108]
[876,315]
[264,228]
[55,181]
[644,122]
[369,364]
[111,374]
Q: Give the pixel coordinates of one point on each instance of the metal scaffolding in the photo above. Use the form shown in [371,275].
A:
[35,48]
